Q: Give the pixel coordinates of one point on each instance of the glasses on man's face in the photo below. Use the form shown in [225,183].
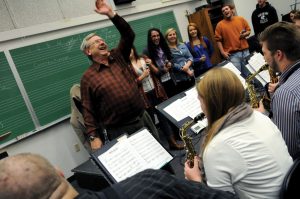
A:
[98,41]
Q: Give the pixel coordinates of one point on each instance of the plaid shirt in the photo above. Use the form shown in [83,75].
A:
[110,95]
[157,184]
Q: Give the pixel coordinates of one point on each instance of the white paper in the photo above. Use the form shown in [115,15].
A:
[256,62]
[134,154]
[259,78]
[152,152]
[192,92]
[187,106]
[231,67]
[175,110]
[190,103]
[122,161]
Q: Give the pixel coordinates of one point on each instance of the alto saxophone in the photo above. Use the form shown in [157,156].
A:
[273,80]
[254,102]
[188,145]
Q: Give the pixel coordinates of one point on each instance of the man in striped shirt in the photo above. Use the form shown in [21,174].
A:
[281,48]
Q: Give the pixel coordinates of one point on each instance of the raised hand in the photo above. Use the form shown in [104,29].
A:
[102,7]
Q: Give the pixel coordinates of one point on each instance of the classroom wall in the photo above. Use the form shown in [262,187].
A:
[57,143]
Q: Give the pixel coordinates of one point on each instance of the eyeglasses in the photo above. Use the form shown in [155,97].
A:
[98,41]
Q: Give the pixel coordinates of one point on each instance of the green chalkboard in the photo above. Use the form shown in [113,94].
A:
[49,69]
[14,115]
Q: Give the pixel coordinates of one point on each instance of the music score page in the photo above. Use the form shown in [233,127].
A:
[134,154]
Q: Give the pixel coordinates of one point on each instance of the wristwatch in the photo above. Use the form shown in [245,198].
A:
[92,138]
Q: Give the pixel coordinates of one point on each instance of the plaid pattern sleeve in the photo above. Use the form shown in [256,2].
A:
[161,184]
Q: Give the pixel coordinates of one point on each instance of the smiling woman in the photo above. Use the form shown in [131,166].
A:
[182,62]
[234,137]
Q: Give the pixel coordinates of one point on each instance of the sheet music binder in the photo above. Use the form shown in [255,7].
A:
[161,108]
[125,156]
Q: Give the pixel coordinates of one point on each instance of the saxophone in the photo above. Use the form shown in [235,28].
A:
[189,147]
[254,102]
[273,76]
[273,80]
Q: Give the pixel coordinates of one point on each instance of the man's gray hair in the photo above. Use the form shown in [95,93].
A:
[84,44]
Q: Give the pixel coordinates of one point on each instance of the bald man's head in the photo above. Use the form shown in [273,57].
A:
[30,176]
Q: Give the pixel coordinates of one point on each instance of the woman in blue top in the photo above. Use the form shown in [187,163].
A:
[201,49]
[182,62]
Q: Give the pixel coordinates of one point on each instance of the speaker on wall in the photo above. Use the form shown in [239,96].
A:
[119,2]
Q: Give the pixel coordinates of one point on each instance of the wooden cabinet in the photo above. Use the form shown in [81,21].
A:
[207,19]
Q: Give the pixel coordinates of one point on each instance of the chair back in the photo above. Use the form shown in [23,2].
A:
[291,183]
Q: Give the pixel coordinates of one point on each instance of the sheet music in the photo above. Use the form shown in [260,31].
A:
[122,160]
[190,103]
[259,78]
[192,92]
[187,106]
[256,62]
[152,151]
[134,154]
[175,110]
[231,67]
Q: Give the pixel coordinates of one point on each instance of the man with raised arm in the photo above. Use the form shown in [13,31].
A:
[110,95]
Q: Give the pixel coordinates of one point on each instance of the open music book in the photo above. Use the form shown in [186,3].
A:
[186,106]
[128,155]
[231,67]
[255,62]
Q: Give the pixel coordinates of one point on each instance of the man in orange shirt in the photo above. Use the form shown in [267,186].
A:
[230,35]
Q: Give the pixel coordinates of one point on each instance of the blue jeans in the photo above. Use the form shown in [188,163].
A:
[238,59]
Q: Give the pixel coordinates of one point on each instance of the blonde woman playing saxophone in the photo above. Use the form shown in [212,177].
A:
[243,150]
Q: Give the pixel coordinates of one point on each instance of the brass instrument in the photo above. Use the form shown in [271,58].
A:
[189,147]
[254,102]
[273,76]
[273,80]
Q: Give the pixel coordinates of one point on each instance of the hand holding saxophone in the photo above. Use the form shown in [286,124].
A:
[261,107]
[272,87]
[193,173]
